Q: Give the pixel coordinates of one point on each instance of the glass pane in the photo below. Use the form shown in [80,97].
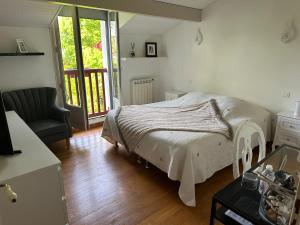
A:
[95,64]
[115,55]
[286,159]
[71,73]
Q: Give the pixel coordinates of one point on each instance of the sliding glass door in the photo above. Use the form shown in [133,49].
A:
[115,58]
[86,63]
[94,46]
[71,67]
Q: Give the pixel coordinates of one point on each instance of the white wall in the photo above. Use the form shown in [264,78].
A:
[26,71]
[133,68]
[241,54]
[140,66]
[139,40]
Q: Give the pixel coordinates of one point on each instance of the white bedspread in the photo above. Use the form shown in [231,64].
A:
[191,157]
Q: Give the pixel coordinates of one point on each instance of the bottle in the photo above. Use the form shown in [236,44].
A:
[268,173]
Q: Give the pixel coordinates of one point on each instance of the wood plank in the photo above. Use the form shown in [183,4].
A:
[105,185]
[148,7]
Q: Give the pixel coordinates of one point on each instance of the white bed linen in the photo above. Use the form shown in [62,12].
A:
[192,157]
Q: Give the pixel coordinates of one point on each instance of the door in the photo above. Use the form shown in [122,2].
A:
[94,47]
[115,65]
[71,66]
[85,63]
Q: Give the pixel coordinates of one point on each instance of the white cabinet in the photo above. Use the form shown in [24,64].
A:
[35,175]
[170,95]
[287,130]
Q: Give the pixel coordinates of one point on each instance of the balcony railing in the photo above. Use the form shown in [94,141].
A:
[94,86]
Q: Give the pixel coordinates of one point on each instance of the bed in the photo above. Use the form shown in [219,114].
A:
[192,157]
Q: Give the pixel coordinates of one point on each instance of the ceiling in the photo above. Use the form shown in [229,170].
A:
[198,4]
[40,14]
[26,13]
[142,24]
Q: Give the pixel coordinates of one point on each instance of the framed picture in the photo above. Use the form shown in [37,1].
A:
[151,49]
[21,46]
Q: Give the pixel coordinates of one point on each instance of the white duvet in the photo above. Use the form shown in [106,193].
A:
[193,157]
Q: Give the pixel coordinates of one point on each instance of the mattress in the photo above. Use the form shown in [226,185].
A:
[193,157]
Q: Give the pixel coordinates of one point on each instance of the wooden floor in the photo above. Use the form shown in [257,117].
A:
[106,186]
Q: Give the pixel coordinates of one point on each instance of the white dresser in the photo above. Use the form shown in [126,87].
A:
[287,130]
[170,95]
[35,175]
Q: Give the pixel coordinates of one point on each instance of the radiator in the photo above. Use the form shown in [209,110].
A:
[142,91]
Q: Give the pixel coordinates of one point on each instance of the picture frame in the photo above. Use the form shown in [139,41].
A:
[22,48]
[151,49]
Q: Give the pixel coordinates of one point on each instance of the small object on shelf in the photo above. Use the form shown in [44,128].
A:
[275,207]
[132,52]
[22,48]
[151,49]
[250,181]
[285,180]
[268,173]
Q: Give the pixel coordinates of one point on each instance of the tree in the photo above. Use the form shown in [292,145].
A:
[90,32]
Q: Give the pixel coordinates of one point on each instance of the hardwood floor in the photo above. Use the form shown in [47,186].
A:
[106,186]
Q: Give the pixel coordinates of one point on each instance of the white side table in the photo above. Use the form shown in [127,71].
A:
[170,95]
[287,130]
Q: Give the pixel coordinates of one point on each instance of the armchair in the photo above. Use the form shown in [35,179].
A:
[36,106]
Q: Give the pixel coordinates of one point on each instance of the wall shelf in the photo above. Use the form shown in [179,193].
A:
[141,58]
[22,54]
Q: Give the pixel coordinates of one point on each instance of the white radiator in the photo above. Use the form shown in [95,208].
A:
[142,91]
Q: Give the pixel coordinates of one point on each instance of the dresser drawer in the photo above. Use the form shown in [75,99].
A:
[288,139]
[289,124]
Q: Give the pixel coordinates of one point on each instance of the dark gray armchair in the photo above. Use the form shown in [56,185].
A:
[36,106]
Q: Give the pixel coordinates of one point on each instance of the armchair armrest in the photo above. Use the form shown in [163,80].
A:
[63,115]
[60,114]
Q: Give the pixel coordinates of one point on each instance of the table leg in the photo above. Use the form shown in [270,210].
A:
[212,212]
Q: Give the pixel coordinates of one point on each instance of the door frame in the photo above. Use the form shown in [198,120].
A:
[82,109]
[111,67]
[109,59]
[80,66]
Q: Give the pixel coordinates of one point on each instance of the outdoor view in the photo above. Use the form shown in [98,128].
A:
[115,58]
[94,70]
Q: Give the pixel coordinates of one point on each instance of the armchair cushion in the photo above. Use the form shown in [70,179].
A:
[45,128]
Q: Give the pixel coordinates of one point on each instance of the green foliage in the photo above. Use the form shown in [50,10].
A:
[67,42]
[92,59]
[90,39]
[90,31]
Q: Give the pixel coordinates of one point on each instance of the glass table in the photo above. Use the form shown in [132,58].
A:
[245,203]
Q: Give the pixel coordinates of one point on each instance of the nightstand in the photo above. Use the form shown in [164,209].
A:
[170,95]
[287,130]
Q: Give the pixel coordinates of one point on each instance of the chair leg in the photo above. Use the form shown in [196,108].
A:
[139,160]
[68,143]
[147,164]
